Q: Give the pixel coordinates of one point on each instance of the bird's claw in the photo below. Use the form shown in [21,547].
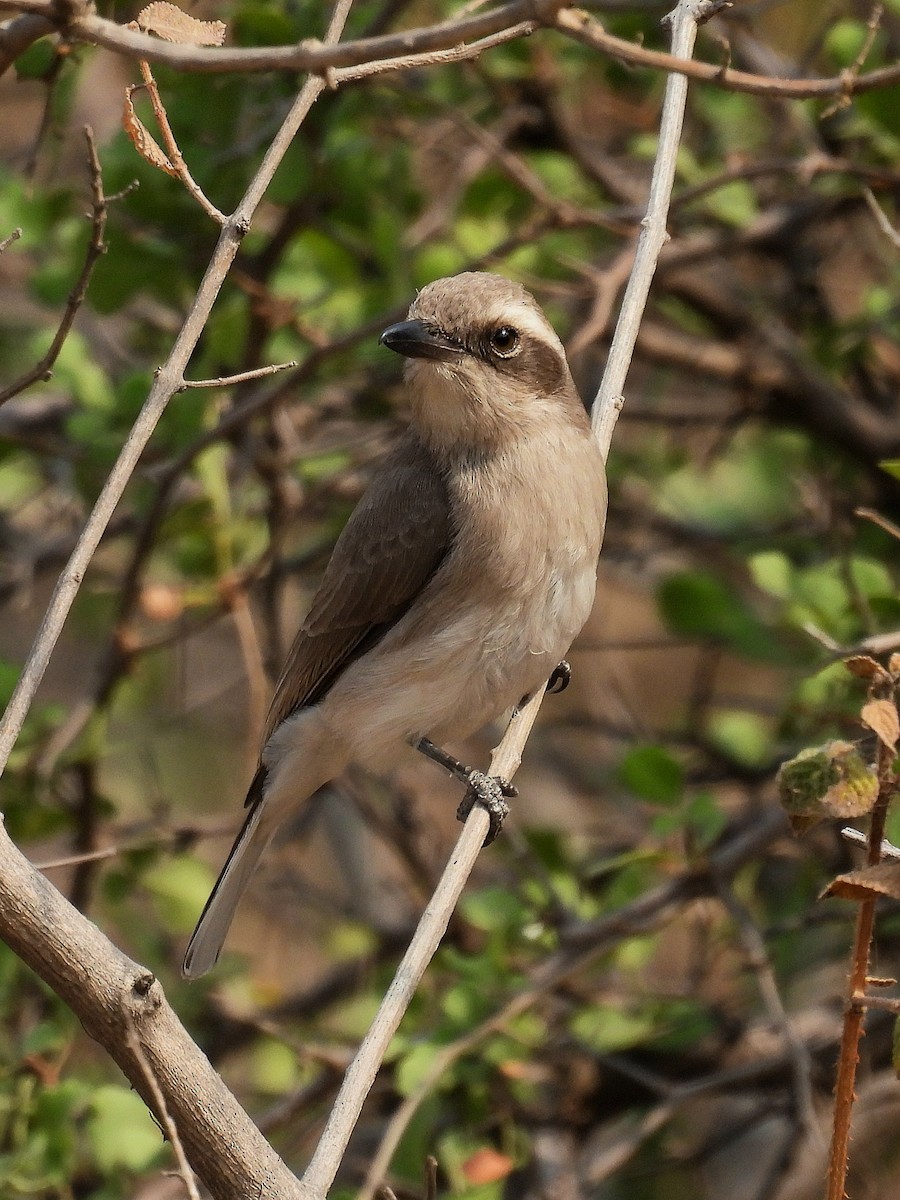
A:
[560,679]
[491,792]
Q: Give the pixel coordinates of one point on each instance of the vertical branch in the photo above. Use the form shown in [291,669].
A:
[506,758]
[848,1059]
[683,20]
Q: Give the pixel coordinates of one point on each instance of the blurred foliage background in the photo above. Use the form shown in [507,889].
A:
[606,1018]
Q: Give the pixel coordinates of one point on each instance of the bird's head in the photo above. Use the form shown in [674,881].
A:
[483,360]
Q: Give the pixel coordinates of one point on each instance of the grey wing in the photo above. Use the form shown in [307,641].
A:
[393,543]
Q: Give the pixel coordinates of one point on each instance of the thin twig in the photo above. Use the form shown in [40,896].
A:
[95,248]
[759,962]
[432,58]
[75,860]
[361,1073]
[653,236]
[224,381]
[504,762]
[638,918]
[176,158]
[883,223]
[888,849]
[588,30]
[310,55]
[162,1111]
[9,239]
[168,380]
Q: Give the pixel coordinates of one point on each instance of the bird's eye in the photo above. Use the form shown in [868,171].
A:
[505,341]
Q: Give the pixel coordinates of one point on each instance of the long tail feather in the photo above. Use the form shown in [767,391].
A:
[207,939]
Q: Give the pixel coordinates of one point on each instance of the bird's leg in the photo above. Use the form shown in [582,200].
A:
[489,791]
[560,678]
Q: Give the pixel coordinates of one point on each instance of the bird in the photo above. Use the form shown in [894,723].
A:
[460,580]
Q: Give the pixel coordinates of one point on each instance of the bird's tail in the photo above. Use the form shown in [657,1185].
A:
[207,939]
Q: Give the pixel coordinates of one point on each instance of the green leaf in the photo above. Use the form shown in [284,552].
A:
[606,1028]
[121,1131]
[745,737]
[653,774]
[36,61]
[181,887]
[697,605]
[414,1067]
[771,571]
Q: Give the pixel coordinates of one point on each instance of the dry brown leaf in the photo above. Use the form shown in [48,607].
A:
[866,667]
[894,664]
[881,718]
[868,883]
[173,25]
[143,140]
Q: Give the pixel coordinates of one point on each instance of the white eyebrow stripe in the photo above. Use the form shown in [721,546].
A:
[523,318]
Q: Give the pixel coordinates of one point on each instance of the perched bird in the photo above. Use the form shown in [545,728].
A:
[458,583]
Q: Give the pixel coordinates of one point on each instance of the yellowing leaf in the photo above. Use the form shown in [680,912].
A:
[173,25]
[826,781]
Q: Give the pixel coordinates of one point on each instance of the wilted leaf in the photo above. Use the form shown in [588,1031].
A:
[868,883]
[894,664]
[865,667]
[881,718]
[173,25]
[143,140]
[828,781]
[487,1166]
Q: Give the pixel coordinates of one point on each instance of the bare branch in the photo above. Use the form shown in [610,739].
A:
[111,994]
[242,377]
[653,236]
[9,239]
[96,247]
[176,158]
[508,755]
[160,1106]
[586,29]
[431,928]
[308,55]
[883,223]
[409,45]
[169,379]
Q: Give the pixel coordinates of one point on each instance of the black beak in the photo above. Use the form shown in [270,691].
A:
[419,339]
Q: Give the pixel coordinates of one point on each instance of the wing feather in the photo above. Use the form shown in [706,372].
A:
[393,543]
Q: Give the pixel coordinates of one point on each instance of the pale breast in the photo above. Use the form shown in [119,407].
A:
[500,612]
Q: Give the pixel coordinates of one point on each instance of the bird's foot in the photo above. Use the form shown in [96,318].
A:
[560,678]
[491,792]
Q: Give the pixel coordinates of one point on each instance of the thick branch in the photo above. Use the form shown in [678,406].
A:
[111,995]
